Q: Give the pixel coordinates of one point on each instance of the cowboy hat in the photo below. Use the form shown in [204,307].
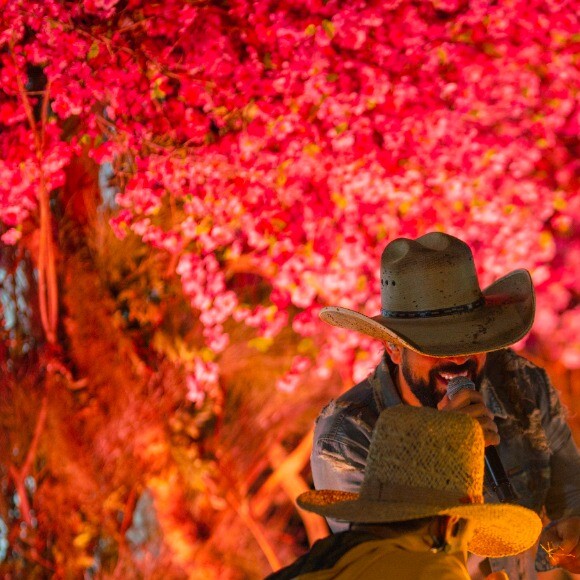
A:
[432,303]
[423,462]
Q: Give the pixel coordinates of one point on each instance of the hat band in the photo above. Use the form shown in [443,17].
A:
[462,309]
[392,493]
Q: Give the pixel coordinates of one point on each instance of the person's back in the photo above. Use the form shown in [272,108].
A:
[420,506]
[396,559]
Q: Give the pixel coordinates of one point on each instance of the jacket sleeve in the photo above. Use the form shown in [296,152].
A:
[339,454]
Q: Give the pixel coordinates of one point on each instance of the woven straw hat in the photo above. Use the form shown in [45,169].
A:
[431,301]
[423,462]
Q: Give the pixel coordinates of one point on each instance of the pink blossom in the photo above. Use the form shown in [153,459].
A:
[195,392]
[288,383]
[11,236]
[290,145]
[103,7]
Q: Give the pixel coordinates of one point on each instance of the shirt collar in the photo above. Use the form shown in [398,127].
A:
[408,542]
[492,401]
[385,391]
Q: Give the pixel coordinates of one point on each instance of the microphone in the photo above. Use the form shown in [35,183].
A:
[496,473]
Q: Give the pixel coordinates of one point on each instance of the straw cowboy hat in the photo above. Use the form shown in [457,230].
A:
[423,462]
[431,301]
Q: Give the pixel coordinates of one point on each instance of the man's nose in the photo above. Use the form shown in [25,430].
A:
[458,360]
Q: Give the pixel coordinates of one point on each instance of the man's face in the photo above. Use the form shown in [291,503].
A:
[427,376]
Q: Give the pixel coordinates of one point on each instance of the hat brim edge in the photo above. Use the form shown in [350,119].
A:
[510,304]
[503,519]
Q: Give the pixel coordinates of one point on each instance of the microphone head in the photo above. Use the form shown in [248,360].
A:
[457,384]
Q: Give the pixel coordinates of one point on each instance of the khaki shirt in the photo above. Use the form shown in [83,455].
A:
[406,557]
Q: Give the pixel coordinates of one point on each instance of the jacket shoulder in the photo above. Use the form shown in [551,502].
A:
[355,411]
[506,367]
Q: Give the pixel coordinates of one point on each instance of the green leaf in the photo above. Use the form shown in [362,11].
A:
[310,30]
[93,51]
[328,28]
[261,343]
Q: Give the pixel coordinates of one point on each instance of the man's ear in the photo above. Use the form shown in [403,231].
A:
[395,351]
[455,525]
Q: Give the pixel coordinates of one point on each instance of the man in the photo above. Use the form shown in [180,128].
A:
[436,324]
[419,509]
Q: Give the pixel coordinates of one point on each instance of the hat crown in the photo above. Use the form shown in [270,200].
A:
[445,451]
[433,272]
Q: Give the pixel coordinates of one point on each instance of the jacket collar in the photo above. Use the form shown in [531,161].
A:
[492,401]
[384,389]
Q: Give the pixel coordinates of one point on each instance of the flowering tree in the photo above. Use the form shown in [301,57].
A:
[261,154]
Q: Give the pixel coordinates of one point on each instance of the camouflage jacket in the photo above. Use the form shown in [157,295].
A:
[536,448]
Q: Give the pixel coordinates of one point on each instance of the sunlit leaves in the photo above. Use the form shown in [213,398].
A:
[292,141]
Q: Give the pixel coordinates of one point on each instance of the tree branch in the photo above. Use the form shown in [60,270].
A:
[286,474]
[47,284]
[19,475]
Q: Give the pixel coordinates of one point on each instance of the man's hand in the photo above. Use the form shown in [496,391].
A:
[471,403]
[562,542]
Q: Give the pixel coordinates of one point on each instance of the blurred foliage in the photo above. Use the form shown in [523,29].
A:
[125,477]
[270,149]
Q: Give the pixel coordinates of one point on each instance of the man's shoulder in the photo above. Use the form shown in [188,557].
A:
[354,411]
[360,394]
[506,363]
[354,400]
[323,554]
[518,388]
[512,359]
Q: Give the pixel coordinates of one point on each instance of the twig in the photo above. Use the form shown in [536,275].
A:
[255,529]
[129,511]
[19,475]
[291,464]
[40,422]
[47,284]
[286,474]
[34,556]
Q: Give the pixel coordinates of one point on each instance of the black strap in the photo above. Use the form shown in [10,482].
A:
[462,309]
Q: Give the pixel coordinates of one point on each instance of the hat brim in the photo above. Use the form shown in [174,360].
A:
[506,317]
[499,529]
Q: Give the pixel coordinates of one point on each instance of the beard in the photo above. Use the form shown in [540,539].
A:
[427,391]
